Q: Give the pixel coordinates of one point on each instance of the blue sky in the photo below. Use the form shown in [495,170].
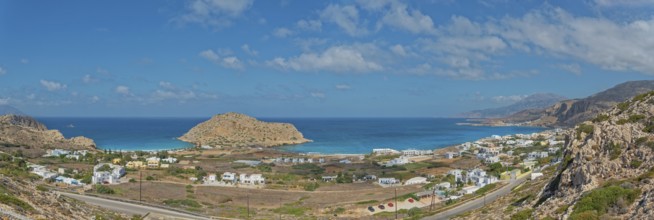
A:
[289,58]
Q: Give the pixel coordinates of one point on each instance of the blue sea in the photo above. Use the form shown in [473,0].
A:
[329,135]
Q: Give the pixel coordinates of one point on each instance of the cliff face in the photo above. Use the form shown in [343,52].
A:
[33,138]
[570,112]
[608,170]
[237,130]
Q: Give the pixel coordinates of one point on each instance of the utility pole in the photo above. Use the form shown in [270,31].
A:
[396,202]
[280,208]
[248,197]
[140,185]
[433,198]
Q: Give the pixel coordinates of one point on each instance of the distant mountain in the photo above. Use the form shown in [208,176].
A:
[535,101]
[8,110]
[570,112]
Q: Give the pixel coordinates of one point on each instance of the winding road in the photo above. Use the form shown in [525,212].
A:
[478,203]
[129,208]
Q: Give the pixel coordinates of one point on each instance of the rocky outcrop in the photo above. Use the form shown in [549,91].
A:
[33,138]
[615,148]
[570,112]
[238,130]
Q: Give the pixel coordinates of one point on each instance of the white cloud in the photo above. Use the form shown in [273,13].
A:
[400,17]
[31,96]
[2,71]
[628,3]
[343,86]
[95,99]
[346,17]
[24,61]
[617,46]
[4,101]
[228,62]
[282,32]
[572,68]
[123,90]
[166,85]
[52,85]
[312,25]
[399,50]
[319,95]
[337,59]
[89,79]
[508,99]
[160,95]
[246,48]
[214,13]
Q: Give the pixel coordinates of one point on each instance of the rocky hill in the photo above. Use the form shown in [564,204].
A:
[535,101]
[570,112]
[33,138]
[7,110]
[608,170]
[238,130]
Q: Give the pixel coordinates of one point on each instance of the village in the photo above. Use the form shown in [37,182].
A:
[443,176]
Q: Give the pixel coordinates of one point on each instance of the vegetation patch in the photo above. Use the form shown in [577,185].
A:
[311,186]
[631,119]
[291,209]
[600,201]
[601,118]
[16,202]
[367,202]
[185,203]
[584,128]
[486,188]
[614,150]
[635,163]
[104,189]
[522,215]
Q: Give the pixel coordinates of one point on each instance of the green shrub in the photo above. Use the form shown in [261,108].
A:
[13,201]
[149,178]
[614,150]
[631,119]
[643,96]
[104,189]
[623,106]
[188,203]
[415,211]
[42,188]
[485,189]
[635,163]
[601,118]
[132,180]
[640,141]
[367,202]
[522,215]
[599,201]
[584,128]
[311,186]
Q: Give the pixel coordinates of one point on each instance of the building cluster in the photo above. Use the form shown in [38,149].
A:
[58,176]
[295,160]
[107,173]
[150,162]
[233,178]
[76,155]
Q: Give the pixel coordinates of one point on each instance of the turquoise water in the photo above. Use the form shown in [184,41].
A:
[330,135]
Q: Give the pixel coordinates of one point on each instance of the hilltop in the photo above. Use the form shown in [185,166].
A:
[9,110]
[239,130]
[535,101]
[33,138]
[568,113]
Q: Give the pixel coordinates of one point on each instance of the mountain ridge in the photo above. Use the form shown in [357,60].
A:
[538,100]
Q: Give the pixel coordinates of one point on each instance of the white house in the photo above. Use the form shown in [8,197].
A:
[229,177]
[416,180]
[493,159]
[251,179]
[450,155]
[170,160]
[414,152]
[107,177]
[42,171]
[388,181]
[211,178]
[329,178]
[384,151]
[397,161]
[73,156]
[535,175]
[552,150]
[445,185]
[321,160]
[458,174]
[470,189]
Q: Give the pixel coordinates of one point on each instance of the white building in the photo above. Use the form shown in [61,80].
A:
[416,180]
[470,189]
[450,155]
[229,177]
[329,178]
[493,159]
[251,179]
[535,175]
[107,177]
[458,174]
[445,185]
[384,151]
[388,181]
[397,161]
[42,171]
[170,160]
[414,152]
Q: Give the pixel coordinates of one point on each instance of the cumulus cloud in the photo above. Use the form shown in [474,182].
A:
[231,62]
[617,46]
[399,16]
[282,32]
[319,95]
[571,68]
[52,85]
[95,99]
[399,50]
[214,13]
[89,79]
[346,17]
[508,99]
[246,48]
[628,3]
[123,90]
[343,86]
[336,58]
[24,61]
[2,71]
[312,25]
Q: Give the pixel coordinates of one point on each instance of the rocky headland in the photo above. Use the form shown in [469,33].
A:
[33,138]
[239,130]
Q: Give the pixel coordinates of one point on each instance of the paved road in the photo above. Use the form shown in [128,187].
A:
[477,203]
[128,208]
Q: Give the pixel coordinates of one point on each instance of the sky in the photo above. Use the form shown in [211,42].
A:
[290,58]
